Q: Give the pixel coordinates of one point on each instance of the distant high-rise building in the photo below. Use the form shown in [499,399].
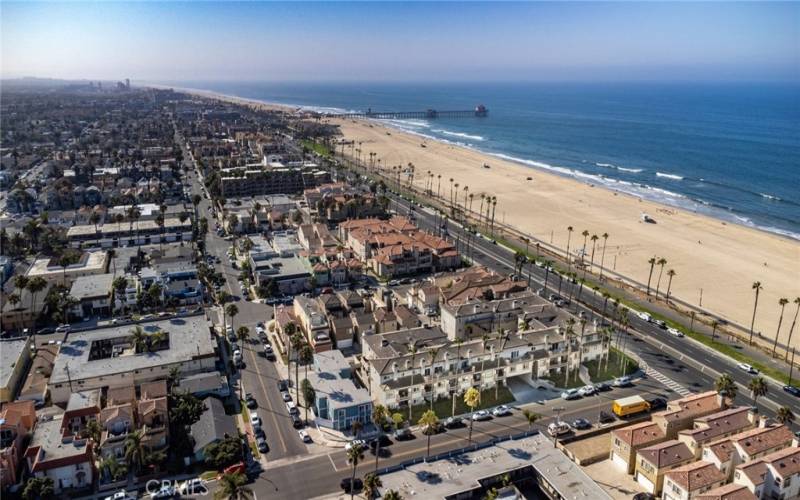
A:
[128,83]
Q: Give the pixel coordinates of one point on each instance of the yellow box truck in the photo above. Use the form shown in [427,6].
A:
[630,406]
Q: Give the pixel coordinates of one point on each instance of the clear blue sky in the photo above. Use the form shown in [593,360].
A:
[402,41]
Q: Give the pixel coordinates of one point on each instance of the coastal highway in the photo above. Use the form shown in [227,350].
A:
[314,475]
[682,360]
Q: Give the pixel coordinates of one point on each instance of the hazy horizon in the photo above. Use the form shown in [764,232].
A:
[402,42]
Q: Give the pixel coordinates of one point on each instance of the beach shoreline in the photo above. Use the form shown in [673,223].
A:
[715,261]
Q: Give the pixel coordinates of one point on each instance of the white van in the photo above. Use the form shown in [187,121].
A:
[558,428]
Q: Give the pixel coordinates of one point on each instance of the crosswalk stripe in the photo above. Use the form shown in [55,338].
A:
[666,381]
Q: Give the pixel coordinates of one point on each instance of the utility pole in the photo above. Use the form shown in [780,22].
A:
[558,411]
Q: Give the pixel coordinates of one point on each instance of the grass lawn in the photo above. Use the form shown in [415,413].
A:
[559,381]
[599,373]
[317,148]
[246,417]
[444,406]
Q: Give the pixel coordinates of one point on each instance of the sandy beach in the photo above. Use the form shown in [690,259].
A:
[717,259]
[720,258]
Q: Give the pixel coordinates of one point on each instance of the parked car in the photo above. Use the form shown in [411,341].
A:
[481,415]
[282,385]
[501,411]
[292,408]
[120,495]
[255,421]
[286,396]
[675,331]
[297,422]
[587,390]
[304,436]
[348,485]
[193,487]
[602,387]
[250,401]
[355,442]
[606,417]
[622,381]
[403,433]
[581,424]
[660,323]
[558,428]
[452,422]
[570,394]
[262,445]
[747,368]
[165,491]
[657,404]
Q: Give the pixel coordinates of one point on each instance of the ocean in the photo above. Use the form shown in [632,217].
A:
[731,151]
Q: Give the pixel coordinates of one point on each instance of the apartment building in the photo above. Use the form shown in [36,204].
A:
[17,421]
[681,413]
[313,322]
[67,460]
[89,264]
[109,357]
[338,401]
[717,426]
[730,491]
[272,178]
[747,446]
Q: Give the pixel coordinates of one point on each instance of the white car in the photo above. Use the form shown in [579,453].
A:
[191,487]
[237,355]
[120,495]
[558,428]
[747,368]
[255,421]
[570,394]
[165,491]
[286,396]
[304,436]
[260,331]
[354,442]
[587,390]
[292,408]
[644,316]
[622,381]
[501,411]
[675,331]
[481,415]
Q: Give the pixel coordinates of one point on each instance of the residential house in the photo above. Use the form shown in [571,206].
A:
[338,401]
[717,426]
[93,294]
[691,480]
[747,446]
[205,384]
[15,357]
[313,322]
[627,441]
[35,386]
[773,476]
[730,491]
[680,413]
[656,460]
[214,426]
[67,460]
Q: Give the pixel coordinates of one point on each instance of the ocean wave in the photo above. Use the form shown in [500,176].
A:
[669,176]
[621,169]
[458,134]
[770,197]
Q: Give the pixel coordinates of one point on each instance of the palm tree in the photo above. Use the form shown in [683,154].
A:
[412,348]
[356,427]
[603,256]
[37,284]
[714,326]
[784,415]
[457,342]
[781,302]
[585,235]
[379,414]
[243,334]
[757,287]
[796,301]
[297,340]
[472,398]
[428,421]
[758,387]
[231,310]
[569,237]
[661,262]
[594,239]
[392,495]
[306,356]
[354,455]
[671,273]
[372,482]
[93,431]
[232,487]
[652,262]
[503,335]
[725,386]
[134,449]
[138,339]
[531,417]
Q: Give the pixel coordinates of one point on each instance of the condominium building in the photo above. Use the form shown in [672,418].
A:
[49,268]
[776,475]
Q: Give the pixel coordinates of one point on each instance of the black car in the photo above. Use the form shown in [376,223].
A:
[793,390]
[356,485]
[282,385]
[259,432]
[384,440]
[297,422]
[250,401]
[581,423]
[606,417]
[602,387]
[657,404]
